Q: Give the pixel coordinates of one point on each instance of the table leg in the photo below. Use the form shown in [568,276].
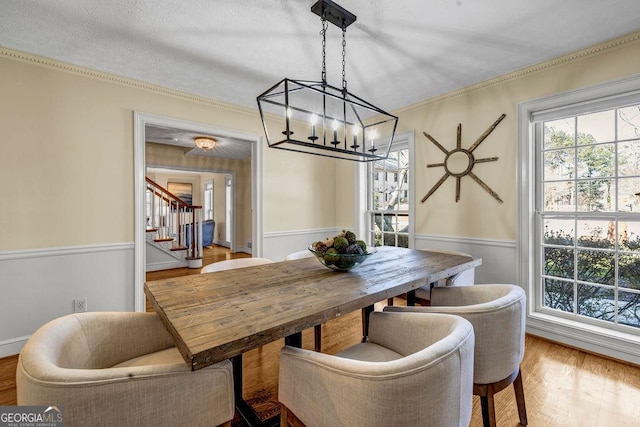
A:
[294,340]
[243,409]
[411,298]
[365,322]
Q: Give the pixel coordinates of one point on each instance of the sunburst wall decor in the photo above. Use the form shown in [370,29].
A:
[458,155]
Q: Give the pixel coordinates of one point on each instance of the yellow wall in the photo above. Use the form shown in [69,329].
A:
[477,214]
[67,151]
[66,164]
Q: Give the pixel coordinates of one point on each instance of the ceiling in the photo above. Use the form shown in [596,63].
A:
[398,52]
[226,148]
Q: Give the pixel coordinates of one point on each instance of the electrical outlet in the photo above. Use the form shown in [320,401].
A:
[79,305]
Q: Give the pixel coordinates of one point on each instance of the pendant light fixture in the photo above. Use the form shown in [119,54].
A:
[315,117]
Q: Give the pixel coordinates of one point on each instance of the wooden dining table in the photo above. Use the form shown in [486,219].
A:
[221,315]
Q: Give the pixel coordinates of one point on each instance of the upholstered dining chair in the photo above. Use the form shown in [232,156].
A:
[413,371]
[120,369]
[464,278]
[230,264]
[497,313]
[299,255]
[317,329]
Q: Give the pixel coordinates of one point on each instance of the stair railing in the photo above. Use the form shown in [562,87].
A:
[174,220]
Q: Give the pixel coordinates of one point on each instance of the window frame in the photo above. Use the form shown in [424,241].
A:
[586,335]
[363,186]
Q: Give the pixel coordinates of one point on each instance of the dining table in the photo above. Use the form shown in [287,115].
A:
[217,316]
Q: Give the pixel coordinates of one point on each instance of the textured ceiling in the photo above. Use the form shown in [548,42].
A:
[398,52]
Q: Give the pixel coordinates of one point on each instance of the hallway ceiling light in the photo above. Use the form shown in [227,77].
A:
[316,118]
[204,142]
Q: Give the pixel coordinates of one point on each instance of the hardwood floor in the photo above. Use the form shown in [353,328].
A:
[563,386]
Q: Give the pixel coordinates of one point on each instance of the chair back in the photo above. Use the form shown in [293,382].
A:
[299,255]
[230,264]
[415,370]
[497,313]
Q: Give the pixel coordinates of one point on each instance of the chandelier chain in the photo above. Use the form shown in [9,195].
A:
[344,55]
[324,46]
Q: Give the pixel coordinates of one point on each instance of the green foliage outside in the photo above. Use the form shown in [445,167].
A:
[595,266]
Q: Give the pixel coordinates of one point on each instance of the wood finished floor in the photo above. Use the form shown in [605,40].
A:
[563,386]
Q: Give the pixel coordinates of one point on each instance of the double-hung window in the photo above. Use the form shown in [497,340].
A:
[389,193]
[581,233]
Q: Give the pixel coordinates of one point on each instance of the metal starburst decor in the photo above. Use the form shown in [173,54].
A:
[462,153]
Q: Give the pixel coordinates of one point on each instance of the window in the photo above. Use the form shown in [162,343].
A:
[388,198]
[578,217]
[589,215]
[208,199]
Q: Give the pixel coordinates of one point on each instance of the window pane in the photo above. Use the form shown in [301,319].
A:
[629,271]
[596,127]
[403,157]
[596,302]
[629,308]
[596,267]
[596,195]
[559,133]
[596,161]
[629,235]
[596,234]
[558,262]
[559,164]
[558,295]
[629,158]
[559,232]
[389,239]
[629,122]
[629,194]
[559,196]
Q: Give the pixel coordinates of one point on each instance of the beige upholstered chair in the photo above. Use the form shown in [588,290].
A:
[464,278]
[119,369]
[298,255]
[497,313]
[230,264]
[317,329]
[415,370]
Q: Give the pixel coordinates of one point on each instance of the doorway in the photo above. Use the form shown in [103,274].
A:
[141,123]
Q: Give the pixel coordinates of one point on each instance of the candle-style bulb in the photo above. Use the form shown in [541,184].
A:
[356,131]
[335,133]
[314,121]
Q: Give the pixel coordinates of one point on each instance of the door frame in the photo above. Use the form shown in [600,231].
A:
[140,120]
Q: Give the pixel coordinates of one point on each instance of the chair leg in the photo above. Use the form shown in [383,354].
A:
[519,390]
[283,416]
[488,410]
[317,338]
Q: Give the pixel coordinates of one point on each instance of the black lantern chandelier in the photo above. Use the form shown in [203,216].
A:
[317,118]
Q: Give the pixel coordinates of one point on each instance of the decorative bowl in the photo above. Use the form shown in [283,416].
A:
[342,262]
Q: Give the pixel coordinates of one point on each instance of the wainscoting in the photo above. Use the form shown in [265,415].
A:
[39,285]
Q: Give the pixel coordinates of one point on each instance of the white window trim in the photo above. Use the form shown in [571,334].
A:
[592,338]
[360,181]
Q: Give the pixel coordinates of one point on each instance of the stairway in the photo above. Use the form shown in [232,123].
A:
[170,242]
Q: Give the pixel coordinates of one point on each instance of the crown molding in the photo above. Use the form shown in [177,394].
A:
[581,54]
[123,81]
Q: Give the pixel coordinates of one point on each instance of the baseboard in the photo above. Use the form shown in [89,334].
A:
[165,265]
[12,346]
